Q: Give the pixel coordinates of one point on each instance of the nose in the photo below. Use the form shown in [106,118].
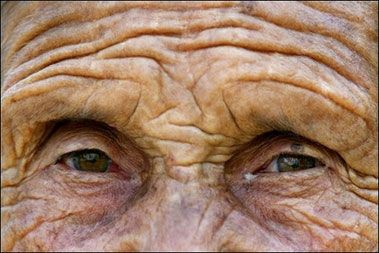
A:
[197,214]
[190,206]
[187,216]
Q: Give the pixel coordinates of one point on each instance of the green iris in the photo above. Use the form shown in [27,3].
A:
[286,163]
[92,160]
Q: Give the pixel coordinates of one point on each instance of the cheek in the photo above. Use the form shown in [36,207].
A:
[60,205]
[315,211]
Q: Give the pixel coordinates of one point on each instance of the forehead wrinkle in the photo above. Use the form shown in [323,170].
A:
[206,38]
[30,108]
[186,40]
[149,28]
[240,20]
[33,24]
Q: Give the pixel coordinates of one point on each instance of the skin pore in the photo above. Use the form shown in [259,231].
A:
[203,109]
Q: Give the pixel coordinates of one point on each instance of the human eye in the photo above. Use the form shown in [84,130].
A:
[88,160]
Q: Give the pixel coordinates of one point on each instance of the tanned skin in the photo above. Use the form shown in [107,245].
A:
[225,126]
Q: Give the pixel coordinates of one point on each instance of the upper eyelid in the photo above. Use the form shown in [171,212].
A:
[62,143]
[49,150]
[260,152]
[115,145]
[70,153]
[93,144]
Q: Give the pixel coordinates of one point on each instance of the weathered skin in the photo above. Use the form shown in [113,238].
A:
[184,90]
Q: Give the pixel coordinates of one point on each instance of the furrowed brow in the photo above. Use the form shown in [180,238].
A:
[28,111]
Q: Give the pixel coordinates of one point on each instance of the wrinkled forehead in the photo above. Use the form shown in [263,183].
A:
[347,25]
[197,52]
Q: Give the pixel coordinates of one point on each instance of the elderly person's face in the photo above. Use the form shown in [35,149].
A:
[189,126]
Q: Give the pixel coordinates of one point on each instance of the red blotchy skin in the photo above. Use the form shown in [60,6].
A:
[193,103]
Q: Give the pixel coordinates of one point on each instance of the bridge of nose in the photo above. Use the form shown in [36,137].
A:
[187,215]
[184,213]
